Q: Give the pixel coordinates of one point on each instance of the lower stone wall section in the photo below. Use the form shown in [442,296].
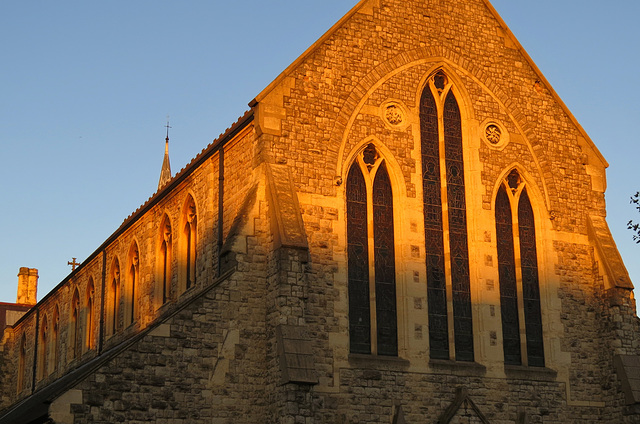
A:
[205,364]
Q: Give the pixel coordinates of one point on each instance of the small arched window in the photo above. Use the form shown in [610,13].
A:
[165,259]
[445,223]
[55,340]
[133,285]
[43,349]
[371,256]
[189,234]
[518,273]
[113,299]
[22,360]
[74,336]
[89,320]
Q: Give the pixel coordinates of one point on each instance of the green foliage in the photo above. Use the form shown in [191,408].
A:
[635,199]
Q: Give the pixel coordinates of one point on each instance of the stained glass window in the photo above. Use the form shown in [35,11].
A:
[441,143]
[358,262]
[511,270]
[385,270]
[369,191]
[507,276]
[436,282]
[530,285]
[463,330]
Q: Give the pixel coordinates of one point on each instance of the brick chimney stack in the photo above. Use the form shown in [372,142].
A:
[27,286]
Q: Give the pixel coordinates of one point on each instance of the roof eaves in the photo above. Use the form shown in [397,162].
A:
[213,147]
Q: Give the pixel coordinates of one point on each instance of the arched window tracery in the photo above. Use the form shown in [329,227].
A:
[113,305]
[189,242]
[74,338]
[43,348]
[22,359]
[165,259]
[89,321]
[371,256]
[133,285]
[55,342]
[445,223]
[518,274]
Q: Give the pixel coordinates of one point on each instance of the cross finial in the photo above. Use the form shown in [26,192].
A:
[73,264]
[167,127]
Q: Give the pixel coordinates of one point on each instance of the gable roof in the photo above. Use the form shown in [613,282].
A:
[367,5]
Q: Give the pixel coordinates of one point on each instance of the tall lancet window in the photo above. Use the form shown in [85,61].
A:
[371,257]
[165,259]
[43,349]
[55,343]
[113,299]
[74,338]
[89,321]
[133,285]
[445,223]
[518,272]
[22,360]
[189,232]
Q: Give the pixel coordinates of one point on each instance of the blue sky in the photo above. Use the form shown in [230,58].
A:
[87,86]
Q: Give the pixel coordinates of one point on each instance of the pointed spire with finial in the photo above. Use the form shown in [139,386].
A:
[165,173]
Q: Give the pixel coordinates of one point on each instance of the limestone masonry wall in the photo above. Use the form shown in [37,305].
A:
[263,334]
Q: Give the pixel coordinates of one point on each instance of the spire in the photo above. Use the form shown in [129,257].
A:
[165,173]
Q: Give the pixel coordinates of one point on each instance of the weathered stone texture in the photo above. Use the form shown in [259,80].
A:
[211,354]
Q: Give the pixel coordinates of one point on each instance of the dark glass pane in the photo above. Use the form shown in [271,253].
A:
[383,241]
[358,262]
[508,285]
[530,284]
[458,230]
[431,184]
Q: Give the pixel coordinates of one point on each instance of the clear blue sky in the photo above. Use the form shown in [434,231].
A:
[86,87]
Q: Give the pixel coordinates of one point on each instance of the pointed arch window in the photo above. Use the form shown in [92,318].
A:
[133,284]
[43,348]
[165,260]
[189,233]
[55,342]
[89,318]
[518,275]
[113,306]
[22,360]
[371,257]
[445,223]
[74,336]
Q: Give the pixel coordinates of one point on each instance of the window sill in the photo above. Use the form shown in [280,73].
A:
[378,361]
[463,368]
[520,372]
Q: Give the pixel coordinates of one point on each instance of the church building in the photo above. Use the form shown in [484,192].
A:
[407,226]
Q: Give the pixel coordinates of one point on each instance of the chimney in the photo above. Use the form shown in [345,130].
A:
[27,286]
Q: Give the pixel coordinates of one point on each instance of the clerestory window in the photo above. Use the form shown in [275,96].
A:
[113,299]
[518,273]
[371,256]
[133,283]
[445,223]
[189,233]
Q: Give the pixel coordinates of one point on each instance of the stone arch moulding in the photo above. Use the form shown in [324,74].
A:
[544,246]
[456,85]
[538,194]
[399,191]
[190,194]
[393,167]
[439,58]
[187,246]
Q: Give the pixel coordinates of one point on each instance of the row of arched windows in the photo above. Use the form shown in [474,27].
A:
[121,300]
[370,247]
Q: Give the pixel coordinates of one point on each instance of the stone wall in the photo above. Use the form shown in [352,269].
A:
[217,352]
